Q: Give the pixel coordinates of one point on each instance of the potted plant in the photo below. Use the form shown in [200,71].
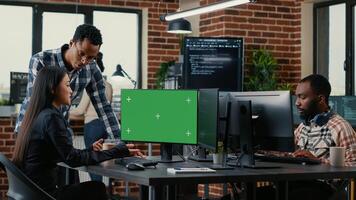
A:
[262,74]
[161,74]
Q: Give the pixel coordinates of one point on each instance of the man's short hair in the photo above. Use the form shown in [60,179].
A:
[319,85]
[88,31]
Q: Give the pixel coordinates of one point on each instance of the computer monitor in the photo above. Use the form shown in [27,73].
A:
[208,109]
[272,120]
[159,116]
[208,118]
[213,63]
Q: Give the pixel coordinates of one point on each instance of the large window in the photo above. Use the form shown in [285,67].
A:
[28,28]
[116,49]
[57,33]
[16,42]
[335,44]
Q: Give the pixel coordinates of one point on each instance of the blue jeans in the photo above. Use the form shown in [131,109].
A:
[94,131]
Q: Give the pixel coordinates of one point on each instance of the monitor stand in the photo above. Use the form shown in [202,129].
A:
[202,156]
[244,121]
[167,154]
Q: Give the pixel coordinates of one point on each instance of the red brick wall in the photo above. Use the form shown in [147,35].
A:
[7,142]
[271,24]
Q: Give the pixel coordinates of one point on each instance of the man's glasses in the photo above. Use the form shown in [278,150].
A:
[84,58]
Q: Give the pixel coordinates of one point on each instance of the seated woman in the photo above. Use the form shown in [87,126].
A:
[43,140]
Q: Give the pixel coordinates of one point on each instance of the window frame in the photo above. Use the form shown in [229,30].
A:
[349,63]
[87,11]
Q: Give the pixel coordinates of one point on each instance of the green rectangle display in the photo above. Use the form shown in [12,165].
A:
[162,116]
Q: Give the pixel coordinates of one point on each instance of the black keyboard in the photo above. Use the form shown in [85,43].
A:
[287,159]
[142,161]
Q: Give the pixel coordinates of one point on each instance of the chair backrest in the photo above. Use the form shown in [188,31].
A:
[20,186]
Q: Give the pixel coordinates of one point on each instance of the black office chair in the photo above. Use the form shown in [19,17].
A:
[20,186]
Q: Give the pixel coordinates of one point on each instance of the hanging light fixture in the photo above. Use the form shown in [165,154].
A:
[179,26]
[204,9]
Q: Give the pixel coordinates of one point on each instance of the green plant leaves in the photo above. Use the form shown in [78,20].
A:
[162,73]
[262,75]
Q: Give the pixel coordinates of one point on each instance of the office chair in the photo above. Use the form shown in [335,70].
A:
[20,186]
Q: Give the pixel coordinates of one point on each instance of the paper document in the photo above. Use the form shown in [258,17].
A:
[178,170]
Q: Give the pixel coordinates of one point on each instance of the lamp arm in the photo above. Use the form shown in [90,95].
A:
[129,77]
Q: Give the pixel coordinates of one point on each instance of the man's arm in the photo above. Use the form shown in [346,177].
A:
[34,65]
[346,138]
[96,93]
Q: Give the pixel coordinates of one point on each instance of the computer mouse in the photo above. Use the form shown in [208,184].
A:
[135,166]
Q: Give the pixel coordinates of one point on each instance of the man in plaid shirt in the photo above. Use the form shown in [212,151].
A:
[322,128]
[79,59]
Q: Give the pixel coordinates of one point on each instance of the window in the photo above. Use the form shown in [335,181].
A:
[334,52]
[55,32]
[120,41]
[40,26]
[16,43]
[353,48]
[120,46]
[331,46]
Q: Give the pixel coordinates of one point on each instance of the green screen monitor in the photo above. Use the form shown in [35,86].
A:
[159,116]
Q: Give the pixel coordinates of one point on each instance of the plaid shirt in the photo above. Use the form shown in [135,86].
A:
[317,137]
[89,77]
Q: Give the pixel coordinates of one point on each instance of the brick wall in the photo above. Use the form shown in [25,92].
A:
[7,142]
[271,24]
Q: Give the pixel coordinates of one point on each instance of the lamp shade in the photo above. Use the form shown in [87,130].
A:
[179,26]
[118,71]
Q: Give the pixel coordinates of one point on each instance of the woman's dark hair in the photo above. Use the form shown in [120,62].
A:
[43,94]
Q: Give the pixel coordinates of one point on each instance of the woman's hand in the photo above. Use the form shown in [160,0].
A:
[135,152]
[98,145]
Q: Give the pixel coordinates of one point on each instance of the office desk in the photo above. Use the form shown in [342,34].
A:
[159,178]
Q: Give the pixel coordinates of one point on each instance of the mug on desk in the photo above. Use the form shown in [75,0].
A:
[110,143]
[107,145]
[337,156]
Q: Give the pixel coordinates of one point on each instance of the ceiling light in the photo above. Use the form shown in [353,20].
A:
[204,9]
